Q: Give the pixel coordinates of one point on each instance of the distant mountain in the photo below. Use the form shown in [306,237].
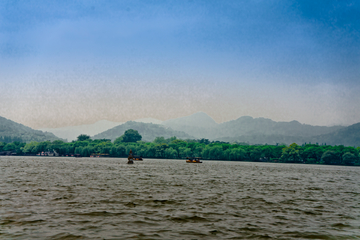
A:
[72,132]
[11,131]
[348,136]
[199,125]
[148,131]
[262,126]
[265,139]
[248,129]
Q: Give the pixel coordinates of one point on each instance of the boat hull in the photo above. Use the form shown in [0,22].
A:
[191,161]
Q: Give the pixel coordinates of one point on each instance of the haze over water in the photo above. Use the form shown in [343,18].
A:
[63,198]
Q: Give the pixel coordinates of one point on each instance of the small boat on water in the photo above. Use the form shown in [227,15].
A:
[193,160]
[137,158]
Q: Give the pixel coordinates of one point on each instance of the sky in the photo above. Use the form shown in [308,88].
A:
[66,63]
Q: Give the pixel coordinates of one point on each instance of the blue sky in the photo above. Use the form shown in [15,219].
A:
[77,62]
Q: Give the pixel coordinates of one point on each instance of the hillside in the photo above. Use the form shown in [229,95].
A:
[265,139]
[255,130]
[148,131]
[11,131]
[263,126]
[348,136]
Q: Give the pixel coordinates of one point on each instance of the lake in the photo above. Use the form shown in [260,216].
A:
[105,198]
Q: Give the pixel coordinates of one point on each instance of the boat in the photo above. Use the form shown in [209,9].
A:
[193,160]
[137,158]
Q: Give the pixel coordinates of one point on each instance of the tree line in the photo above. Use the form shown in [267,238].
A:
[173,148]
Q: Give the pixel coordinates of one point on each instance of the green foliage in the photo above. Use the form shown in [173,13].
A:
[30,148]
[131,135]
[292,154]
[350,159]
[83,137]
[10,147]
[118,140]
[2,145]
[159,140]
[330,157]
[173,148]
[237,154]
[255,154]
[14,132]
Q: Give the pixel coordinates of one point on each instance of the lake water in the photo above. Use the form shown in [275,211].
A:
[88,198]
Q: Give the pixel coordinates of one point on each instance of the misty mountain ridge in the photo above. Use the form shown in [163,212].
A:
[12,131]
[72,132]
[254,126]
[243,126]
[197,126]
[148,131]
[347,136]
[244,129]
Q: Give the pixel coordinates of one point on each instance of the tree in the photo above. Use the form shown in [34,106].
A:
[83,137]
[121,151]
[349,158]
[57,145]
[255,154]
[204,140]
[236,154]
[292,154]
[171,153]
[216,152]
[312,154]
[131,135]
[330,157]
[30,148]
[2,145]
[119,140]
[160,150]
[159,140]
[184,152]
[10,147]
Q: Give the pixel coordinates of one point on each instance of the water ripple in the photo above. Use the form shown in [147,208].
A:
[67,198]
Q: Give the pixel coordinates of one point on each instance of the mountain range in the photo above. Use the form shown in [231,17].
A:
[148,131]
[197,126]
[70,133]
[243,126]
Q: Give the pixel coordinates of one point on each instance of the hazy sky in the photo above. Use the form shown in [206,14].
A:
[76,62]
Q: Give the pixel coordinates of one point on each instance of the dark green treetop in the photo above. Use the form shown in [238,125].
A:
[83,137]
[130,135]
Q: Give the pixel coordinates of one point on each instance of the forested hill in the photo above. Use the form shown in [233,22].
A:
[11,131]
[254,126]
[348,136]
[148,131]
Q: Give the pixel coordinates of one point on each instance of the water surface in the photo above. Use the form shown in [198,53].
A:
[91,198]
